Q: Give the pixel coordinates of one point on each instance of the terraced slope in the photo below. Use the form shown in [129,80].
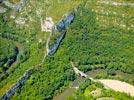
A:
[101,37]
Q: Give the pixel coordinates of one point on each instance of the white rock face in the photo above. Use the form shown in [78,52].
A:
[47,25]
[20,21]
[63,24]
[2,10]
[17,6]
[21,81]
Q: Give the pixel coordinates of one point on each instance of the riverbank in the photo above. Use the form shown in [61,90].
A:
[117,85]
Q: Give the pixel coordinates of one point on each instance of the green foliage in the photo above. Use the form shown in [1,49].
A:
[91,43]
[85,85]
[93,47]
[29,35]
[14,1]
[87,44]
[8,53]
[47,80]
[86,93]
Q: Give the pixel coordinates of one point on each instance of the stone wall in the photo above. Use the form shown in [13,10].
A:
[21,81]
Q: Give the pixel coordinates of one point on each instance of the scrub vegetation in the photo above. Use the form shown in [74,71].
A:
[100,37]
[93,91]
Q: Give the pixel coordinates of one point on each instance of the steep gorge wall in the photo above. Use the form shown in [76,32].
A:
[17,7]
[61,27]
[21,81]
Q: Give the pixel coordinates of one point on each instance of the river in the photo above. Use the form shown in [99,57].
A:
[97,73]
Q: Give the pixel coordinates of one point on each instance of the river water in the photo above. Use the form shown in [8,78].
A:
[94,73]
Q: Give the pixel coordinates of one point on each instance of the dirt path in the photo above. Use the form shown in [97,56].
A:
[118,86]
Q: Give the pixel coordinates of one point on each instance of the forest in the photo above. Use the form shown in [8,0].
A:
[101,36]
[97,91]
[7,54]
[89,47]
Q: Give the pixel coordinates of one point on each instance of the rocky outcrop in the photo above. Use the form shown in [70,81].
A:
[18,7]
[1,1]
[2,10]
[61,27]
[21,81]
[56,45]
[65,22]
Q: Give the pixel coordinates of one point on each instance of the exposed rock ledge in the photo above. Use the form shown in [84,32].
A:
[17,7]
[21,81]
[62,25]
[3,10]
